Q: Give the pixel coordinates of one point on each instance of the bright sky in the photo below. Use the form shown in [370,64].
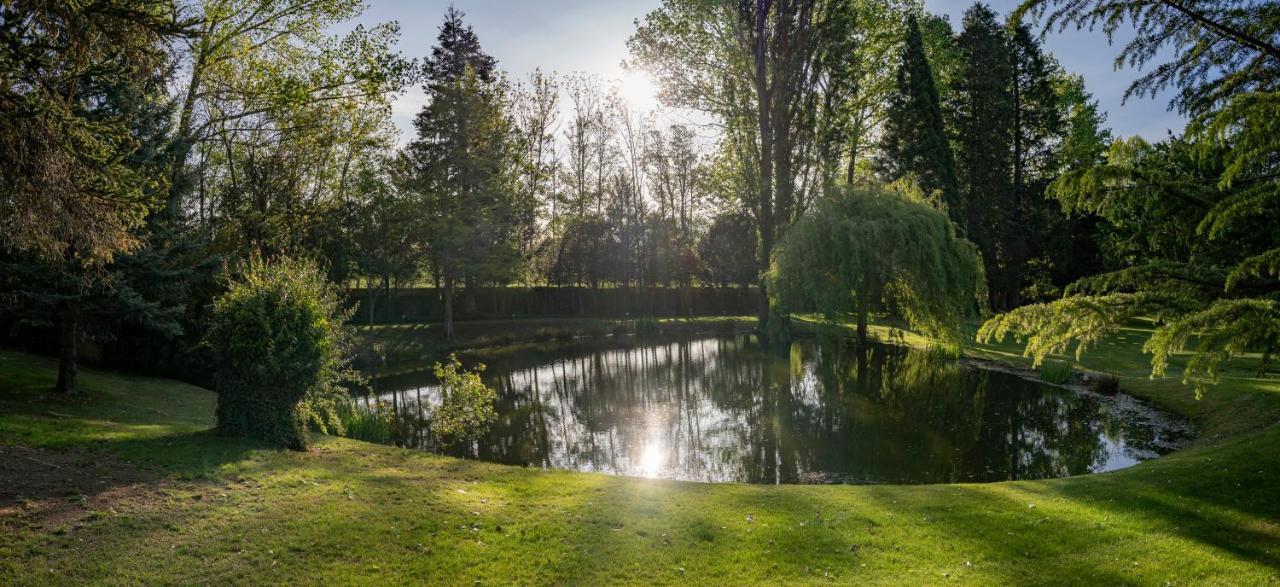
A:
[590,36]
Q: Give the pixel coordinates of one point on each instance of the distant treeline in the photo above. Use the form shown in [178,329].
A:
[491,303]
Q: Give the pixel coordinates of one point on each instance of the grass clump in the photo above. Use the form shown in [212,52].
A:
[1057,372]
[368,423]
[646,327]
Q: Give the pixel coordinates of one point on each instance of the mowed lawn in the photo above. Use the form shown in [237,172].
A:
[127,485]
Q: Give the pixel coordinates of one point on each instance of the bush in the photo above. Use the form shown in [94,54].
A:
[281,352]
[466,403]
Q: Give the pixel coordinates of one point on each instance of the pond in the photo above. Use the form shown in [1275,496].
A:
[719,409]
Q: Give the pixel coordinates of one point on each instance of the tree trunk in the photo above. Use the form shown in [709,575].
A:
[368,285]
[448,310]
[862,321]
[67,350]
[764,108]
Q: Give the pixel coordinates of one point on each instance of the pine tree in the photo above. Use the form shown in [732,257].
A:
[915,140]
[983,118]
[459,167]
[457,50]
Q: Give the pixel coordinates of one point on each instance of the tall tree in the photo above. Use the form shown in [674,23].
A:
[754,64]
[458,167]
[1216,287]
[260,71]
[915,142]
[983,118]
[78,83]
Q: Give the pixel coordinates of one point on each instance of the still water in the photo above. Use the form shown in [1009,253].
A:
[720,409]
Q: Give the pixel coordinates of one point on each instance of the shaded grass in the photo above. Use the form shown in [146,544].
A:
[352,512]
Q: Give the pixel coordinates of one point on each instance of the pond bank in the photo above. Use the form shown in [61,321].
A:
[228,511]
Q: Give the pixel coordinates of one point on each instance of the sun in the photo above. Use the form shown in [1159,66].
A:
[639,90]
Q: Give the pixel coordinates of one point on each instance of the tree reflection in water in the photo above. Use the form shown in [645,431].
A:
[719,409]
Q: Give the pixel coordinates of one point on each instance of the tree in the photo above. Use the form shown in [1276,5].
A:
[458,168]
[263,71]
[983,118]
[915,143]
[874,249]
[754,65]
[1203,206]
[726,250]
[81,137]
[69,193]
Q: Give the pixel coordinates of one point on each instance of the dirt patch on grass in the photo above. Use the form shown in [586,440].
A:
[49,489]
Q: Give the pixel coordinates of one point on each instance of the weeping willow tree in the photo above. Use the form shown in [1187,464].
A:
[1200,214]
[879,249]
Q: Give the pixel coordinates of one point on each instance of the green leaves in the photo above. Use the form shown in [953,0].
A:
[466,403]
[281,349]
[880,249]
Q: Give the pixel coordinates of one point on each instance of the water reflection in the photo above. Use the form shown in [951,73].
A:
[719,409]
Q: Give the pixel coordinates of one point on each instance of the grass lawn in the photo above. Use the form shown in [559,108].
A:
[127,485]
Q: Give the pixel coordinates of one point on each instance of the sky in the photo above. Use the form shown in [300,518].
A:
[590,36]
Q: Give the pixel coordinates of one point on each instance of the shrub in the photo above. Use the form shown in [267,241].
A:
[1056,372]
[544,334]
[281,352]
[466,403]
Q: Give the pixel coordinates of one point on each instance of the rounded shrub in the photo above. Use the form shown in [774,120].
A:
[281,349]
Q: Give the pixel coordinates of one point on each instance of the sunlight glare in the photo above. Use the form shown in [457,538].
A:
[652,459]
[639,90]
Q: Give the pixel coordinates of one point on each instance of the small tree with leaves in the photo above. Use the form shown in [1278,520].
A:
[466,403]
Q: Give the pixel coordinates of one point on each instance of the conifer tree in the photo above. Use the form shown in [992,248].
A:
[983,118]
[459,167]
[915,140]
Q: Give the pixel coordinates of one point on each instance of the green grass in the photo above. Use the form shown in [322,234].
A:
[1058,372]
[226,511]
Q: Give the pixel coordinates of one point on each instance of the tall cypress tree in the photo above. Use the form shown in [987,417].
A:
[983,118]
[915,138]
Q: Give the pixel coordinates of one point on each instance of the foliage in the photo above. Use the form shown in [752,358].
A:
[886,249]
[727,250]
[1058,372]
[70,192]
[457,172]
[466,403]
[368,423]
[281,350]
[915,143]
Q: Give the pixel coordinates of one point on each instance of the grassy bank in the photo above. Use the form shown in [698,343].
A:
[181,505]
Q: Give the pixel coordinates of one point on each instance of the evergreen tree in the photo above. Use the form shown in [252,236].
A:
[83,130]
[915,140]
[457,50]
[983,118]
[1196,216]
[459,168]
